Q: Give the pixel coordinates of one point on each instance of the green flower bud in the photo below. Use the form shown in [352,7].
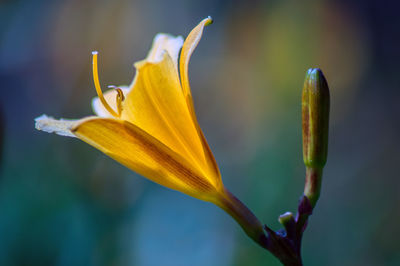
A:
[315,110]
[315,113]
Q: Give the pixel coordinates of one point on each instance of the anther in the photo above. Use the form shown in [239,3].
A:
[120,97]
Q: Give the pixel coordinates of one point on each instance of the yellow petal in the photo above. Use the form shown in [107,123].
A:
[189,45]
[188,48]
[139,151]
[156,104]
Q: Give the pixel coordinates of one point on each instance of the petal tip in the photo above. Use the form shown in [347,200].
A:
[208,21]
[165,42]
[50,125]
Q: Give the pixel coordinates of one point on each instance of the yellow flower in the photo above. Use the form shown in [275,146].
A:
[151,127]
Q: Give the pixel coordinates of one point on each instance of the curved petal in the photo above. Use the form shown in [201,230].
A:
[188,48]
[139,151]
[156,105]
[189,45]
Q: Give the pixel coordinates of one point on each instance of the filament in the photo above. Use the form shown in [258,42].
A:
[98,88]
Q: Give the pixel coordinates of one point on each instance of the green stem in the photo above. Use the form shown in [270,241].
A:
[245,218]
[285,247]
[312,187]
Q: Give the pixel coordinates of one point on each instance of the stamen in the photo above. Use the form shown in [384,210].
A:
[120,97]
[98,88]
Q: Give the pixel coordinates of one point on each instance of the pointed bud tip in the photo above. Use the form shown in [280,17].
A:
[314,71]
[315,75]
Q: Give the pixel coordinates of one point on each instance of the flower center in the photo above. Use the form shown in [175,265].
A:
[120,95]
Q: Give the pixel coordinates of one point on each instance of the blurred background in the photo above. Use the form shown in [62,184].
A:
[64,203]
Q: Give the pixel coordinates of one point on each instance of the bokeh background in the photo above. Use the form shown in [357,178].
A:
[64,203]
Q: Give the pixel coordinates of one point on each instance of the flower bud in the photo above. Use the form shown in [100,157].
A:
[315,114]
[315,111]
